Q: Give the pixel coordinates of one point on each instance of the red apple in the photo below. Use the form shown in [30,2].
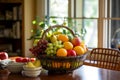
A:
[32,59]
[22,59]
[76,41]
[71,53]
[3,55]
[19,59]
[25,59]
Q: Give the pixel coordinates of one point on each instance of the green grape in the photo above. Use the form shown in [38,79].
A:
[51,47]
[56,42]
[62,46]
[59,42]
[51,51]
[55,48]
[50,44]
[54,52]
[47,49]
[48,52]
[59,46]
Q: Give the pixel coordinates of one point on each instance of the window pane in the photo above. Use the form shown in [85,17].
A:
[91,8]
[91,11]
[115,34]
[115,8]
[91,37]
[59,8]
[115,24]
[88,33]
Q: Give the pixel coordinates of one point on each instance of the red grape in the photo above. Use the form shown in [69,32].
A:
[40,47]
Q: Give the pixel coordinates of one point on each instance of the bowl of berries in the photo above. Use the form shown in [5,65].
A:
[60,52]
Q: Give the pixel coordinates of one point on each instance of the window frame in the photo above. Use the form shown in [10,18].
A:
[104,28]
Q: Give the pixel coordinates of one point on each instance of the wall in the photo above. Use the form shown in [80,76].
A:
[29,15]
[40,9]
[32,8]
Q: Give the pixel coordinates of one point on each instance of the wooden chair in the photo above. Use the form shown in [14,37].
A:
[104,58]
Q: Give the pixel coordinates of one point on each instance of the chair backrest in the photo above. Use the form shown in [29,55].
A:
[104,58]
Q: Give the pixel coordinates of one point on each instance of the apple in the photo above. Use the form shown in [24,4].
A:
[25,59]
[76,41]
[22,59]
[19,59]
[3,55]
[32,59]
[71,53]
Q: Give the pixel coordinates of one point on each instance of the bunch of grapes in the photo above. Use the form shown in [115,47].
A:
[53,47]
[40,47]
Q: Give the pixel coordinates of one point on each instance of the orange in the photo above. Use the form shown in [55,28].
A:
[84,47]
[62,52]
[79,50]
[68,45]
[63,37]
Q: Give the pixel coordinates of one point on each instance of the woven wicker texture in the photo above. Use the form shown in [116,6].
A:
[104,58]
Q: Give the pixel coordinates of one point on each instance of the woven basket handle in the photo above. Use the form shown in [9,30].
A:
[57,26]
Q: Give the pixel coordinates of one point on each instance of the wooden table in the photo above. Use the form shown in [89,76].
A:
[83,73]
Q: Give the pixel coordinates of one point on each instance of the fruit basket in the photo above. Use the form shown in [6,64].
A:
[68,56]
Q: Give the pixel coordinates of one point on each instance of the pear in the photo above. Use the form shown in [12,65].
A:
[37,63]
[53,38]
[30,64]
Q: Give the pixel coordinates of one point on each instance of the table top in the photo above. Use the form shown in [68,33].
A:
[82,73]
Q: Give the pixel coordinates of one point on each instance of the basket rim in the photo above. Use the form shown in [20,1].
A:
[59,57]
[57,26]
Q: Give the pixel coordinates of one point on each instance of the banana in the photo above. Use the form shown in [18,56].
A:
[56,33]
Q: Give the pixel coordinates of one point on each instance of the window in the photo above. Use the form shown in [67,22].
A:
[90,19]
[57,9]
[96,20]
[84,23]
[113,22]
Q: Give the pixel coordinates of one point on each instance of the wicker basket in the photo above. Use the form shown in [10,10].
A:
[61,64]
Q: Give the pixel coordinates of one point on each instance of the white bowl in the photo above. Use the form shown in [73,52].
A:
[31,68]
[33,73]
[15,67]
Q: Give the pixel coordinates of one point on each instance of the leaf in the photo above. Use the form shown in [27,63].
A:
[54,21]
[32,37]
[34,22]
[53,17]
[83,31]
[42,24]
